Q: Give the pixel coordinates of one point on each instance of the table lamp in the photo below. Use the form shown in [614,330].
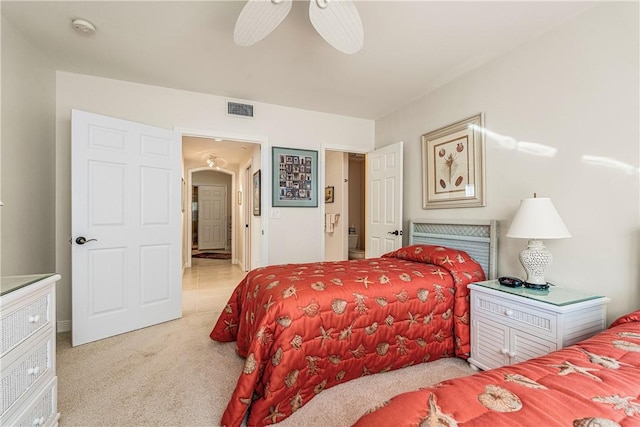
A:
[537,219]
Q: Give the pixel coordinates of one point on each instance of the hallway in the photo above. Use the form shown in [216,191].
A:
[208,284]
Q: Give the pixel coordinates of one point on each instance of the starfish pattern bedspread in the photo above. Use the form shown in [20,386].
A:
[306,327]
[595,382]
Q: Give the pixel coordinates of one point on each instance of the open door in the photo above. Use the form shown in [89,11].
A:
[247,214]
[384,200]
[126,226]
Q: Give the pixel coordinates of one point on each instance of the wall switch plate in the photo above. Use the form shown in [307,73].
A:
[275,213]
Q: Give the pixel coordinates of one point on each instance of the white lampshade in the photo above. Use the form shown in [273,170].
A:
[537,218]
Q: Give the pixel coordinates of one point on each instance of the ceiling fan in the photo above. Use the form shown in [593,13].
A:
[215,161]
[337,21]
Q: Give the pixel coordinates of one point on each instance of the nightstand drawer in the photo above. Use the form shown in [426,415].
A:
[24,321]
[504,311]
[42,411]
[21,374]
[28,392]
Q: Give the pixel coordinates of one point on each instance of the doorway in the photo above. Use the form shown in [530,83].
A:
[231,159]
[356,219]
[379,197]
[211,209]
[345,183]
[208,282]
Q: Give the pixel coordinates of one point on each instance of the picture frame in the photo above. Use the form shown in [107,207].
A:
[257,203]
[328,194]
[295,178]
[183,195]
[453,169]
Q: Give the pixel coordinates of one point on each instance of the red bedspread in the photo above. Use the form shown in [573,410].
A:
[593,383]
[306,327]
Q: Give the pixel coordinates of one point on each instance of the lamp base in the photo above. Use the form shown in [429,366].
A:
[535,260]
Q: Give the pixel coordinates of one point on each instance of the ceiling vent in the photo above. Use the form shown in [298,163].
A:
[239,109]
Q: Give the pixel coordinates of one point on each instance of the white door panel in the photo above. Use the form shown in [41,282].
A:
[384,208]
[248,212]
[212,216]
[126,196]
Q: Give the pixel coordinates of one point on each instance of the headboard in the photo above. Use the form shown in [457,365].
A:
[477,238]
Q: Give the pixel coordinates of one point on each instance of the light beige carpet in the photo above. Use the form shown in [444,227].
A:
[172,374]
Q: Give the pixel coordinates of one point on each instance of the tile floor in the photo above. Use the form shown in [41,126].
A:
[208,284]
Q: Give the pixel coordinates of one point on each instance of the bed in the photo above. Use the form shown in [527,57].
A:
[303,328]
[595,382]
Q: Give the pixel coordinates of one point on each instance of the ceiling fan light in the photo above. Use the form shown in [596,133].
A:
[339,23]
[258,18]
[215,161]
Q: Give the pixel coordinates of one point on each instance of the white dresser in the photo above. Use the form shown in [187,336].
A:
[511,325]
[28,351]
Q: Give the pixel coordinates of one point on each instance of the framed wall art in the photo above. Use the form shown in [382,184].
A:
[183,194]
[453,165]
[257,204]
[295,178]
[328,194]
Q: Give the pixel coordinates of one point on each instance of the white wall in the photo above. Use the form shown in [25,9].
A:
[575,89]
[170,108]
[28,147]
[211,177]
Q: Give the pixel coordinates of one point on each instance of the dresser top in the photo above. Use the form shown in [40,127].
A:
[555,295]
[12,283]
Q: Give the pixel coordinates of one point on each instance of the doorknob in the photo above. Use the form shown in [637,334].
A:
[81,240]
[395,232]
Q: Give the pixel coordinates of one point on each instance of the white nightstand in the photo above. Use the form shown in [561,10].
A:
[511,325]
[28,351]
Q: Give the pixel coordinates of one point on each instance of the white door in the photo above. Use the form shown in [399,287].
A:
[384,200]
[212,216]
[126,206]
[247,213]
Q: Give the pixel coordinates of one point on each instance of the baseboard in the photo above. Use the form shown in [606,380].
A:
[63,326]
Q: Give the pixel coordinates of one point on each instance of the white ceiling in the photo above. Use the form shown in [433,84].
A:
[410,48]
[233,152]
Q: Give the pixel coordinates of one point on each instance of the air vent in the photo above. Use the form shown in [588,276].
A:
[239,109]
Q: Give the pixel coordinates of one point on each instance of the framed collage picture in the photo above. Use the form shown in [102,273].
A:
[295,178]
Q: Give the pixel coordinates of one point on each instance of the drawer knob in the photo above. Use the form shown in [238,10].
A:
[508,313]
[33,371]
[34,319]
[504,351]
[38,421]
[512,354]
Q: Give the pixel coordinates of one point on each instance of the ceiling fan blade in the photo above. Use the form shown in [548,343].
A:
[258,18]
[339,23]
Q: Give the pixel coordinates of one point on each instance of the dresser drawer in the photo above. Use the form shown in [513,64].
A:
[41,411]
[20,373]
[507,312]
[19,322]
